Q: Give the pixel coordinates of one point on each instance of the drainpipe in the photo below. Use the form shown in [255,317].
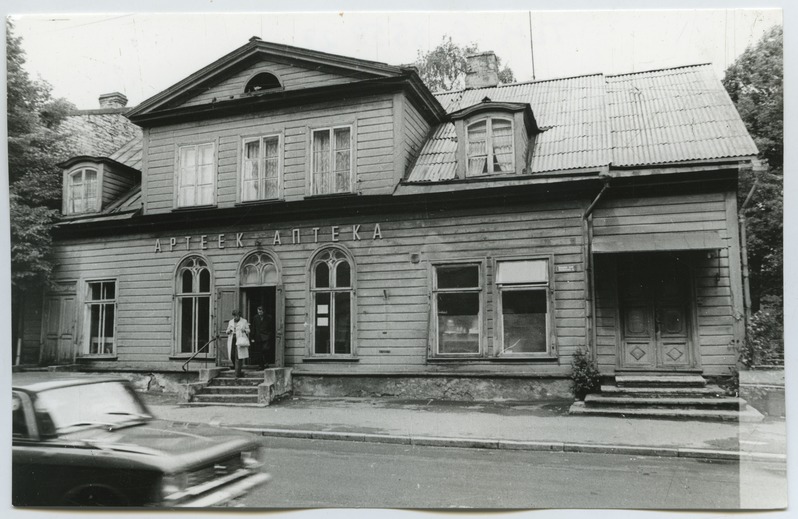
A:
[744,253]
[587,227]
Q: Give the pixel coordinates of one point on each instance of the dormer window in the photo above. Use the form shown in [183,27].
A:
[490,147]
[494,139]
[82,193]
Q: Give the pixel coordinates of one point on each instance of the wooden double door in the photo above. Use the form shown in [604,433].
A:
[655,299]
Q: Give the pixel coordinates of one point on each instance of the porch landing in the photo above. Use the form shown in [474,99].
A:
[665,396]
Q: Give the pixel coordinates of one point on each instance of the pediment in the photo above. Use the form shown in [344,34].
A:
[294,68]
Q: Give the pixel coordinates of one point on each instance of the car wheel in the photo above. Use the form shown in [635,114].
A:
[94,496]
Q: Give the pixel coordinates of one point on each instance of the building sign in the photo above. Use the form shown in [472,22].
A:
[332,234]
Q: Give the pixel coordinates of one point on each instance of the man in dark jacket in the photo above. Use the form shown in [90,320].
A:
[263,337]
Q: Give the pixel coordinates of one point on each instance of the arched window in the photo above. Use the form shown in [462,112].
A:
[193,304]
[82,191]
[258,270]
[332,300]
[262,81]
[490,147]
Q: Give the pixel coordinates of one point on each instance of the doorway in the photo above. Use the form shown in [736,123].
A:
[654,293]
[267,298]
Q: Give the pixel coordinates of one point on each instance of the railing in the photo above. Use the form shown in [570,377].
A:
[204,348]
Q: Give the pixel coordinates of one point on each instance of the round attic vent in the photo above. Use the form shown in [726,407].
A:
[262,81]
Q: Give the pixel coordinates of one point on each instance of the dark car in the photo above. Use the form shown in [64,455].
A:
[93,442]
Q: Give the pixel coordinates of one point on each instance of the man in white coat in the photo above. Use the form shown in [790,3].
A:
[237,341]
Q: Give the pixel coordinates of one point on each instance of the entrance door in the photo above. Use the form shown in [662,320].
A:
[59,329]
[654,297]
[267,298]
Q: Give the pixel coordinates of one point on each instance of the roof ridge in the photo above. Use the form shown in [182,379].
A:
[531,81]
[694,65]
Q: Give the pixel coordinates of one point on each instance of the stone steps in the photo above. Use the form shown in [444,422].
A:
[226,398]
[226,389]
[671,395]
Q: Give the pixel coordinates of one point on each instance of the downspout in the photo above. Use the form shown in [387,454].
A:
[744,253]
[587,235]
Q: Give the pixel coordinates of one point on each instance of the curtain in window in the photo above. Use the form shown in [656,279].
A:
[477,148]
[321,162]
[502,137]
[251,174]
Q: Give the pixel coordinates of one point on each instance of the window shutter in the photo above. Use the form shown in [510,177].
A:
[225,304]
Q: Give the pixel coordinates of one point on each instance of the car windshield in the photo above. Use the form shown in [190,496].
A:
[109,404]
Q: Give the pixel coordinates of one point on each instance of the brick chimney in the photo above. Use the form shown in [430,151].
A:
[482,70]
[113,100]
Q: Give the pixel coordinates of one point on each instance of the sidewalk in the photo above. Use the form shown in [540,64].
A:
[519,426]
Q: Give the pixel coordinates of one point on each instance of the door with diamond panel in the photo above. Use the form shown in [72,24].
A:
[654,304]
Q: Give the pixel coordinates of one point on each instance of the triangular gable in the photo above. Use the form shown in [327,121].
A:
[295,68]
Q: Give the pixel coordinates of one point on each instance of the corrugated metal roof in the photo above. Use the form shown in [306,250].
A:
[673,115]
[663,116]
[130,154]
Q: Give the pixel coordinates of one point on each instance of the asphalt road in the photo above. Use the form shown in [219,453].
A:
[316,473]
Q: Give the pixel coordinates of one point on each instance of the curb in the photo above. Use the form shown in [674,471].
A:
[540,446]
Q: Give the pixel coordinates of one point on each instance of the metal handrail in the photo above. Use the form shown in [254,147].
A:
[185,364]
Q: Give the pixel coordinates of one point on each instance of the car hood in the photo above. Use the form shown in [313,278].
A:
[172,445]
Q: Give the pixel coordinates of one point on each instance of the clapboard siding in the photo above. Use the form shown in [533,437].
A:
[393,293]
[373,150]
[416,131]
[291,77]
[711,277]
[115,184]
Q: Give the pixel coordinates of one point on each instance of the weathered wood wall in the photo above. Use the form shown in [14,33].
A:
[291,77]
[716,279]
[115,184]
[393,294]
[373,132]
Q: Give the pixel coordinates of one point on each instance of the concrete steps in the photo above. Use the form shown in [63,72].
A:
[674,396]
[226,389]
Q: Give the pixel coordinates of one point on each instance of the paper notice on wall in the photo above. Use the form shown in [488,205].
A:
[322,321]
[322,309]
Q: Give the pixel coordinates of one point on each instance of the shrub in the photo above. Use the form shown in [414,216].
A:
[585,377]
[764,338]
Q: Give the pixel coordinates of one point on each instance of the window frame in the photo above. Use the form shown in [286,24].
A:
[488,120]
[179,296]
[261,160]
[549,290]
[87,303]
[313,261]
[312,161]
[179,170]
[67,191]
[434,349]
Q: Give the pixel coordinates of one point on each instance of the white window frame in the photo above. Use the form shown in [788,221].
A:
[261,163]
[331,132]
[489,146]
[195,184]
[546,287]
[479,289]
[181,296]
[317,258]
[87,304]
[69,195]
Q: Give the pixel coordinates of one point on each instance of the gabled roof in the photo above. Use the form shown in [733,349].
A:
[588,122]
[254,49]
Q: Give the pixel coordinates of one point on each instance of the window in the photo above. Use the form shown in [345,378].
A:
[332,299]
[261,175]
[101,317]
[195,179]
[490,147]
[261,82]
[331,161]
[82,191]
[523,289]
[457,306]
[193,305]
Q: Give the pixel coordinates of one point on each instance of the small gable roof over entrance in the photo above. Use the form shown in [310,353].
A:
[257,56]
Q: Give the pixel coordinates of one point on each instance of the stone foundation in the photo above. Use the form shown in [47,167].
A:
[450,387]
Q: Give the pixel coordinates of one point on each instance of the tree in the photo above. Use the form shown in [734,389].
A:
[444,67]
[35,146]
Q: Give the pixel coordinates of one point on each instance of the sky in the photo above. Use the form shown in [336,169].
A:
[83,56]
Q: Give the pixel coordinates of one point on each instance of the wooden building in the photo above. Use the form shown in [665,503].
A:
[458,244]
